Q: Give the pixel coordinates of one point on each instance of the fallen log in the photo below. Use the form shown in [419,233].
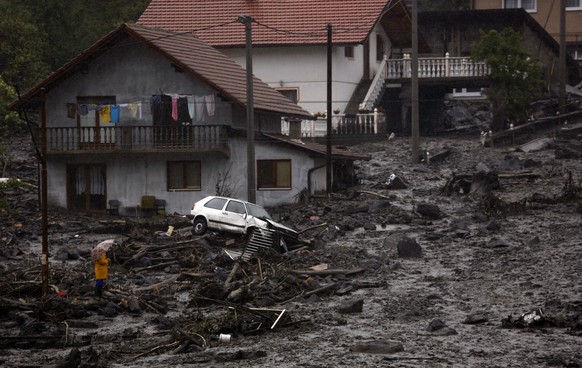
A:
[312,227]
[374,194]
[526,175]
[320,290]
[159,265]
[338,271]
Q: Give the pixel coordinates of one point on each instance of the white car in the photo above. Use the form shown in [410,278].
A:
[234,216]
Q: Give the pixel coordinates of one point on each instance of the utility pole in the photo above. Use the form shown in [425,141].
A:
[44,194]
[414,87]
[251,180]
[328,139]
[563,71]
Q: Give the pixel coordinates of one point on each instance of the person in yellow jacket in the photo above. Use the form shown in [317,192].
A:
[101,274]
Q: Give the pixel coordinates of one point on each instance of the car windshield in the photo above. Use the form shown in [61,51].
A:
[257,211]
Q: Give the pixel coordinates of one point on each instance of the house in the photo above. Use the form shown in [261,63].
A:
[547,14]
[147,114]
[447,70]
[290,38]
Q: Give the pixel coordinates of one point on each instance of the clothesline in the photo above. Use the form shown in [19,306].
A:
[111,113]
[165,108]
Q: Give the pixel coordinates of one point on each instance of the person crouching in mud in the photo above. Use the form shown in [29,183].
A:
[101,274]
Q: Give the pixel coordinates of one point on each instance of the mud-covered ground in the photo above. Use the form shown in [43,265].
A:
[433,275]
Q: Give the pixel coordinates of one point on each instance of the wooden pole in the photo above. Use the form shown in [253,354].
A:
[251,177]
[329,90]
[44,194]
[414,87]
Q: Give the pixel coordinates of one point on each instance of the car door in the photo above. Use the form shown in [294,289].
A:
[234,217]
[213,209]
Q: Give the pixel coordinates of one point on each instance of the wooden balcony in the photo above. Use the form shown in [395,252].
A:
[110,139]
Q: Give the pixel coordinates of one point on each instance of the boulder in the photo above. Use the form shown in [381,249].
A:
[409,248]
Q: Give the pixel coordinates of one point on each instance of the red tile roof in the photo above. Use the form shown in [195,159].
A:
[279,22]
[194,57]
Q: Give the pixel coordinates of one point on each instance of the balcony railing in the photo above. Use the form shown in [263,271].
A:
[137,138]
[342,125]
[437,67]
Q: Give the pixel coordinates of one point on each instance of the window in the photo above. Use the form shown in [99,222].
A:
[349,52]
[573,4]
[379,48]
[184,175]
[274,174]
[290,93]
[236,207]
[216,203]
[529,5]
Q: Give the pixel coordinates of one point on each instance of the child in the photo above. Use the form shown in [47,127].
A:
[101,274]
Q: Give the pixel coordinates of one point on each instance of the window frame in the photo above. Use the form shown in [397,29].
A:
[573,8]
[520,5]
[273,185]
[185,187]
[349,52]
[289,89]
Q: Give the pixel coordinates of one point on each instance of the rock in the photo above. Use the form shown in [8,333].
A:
[481,167]
[493,225]
[535,240]
[484,182]
[358,209]
[497,243]
[395,182]
[396,266]
[474,319]
[461,223]
[72,360]
[379,205]
[435,324]
[429,210]
[392,240]
[567,153]
[69,254]
[355,306]
[378,347]
[111,310]
[409,248]
[133,305]
[369,226]
[528,163]
[446,331]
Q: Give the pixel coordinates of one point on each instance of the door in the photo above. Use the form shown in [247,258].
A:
[92,131]
[235,217]
[86,189]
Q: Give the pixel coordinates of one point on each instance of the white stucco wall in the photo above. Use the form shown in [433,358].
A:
[305,68]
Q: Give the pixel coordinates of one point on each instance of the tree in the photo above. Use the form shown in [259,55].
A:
[443,5]
[515,75]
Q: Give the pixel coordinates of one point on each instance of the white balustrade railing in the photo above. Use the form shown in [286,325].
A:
[341,124]
[437,67]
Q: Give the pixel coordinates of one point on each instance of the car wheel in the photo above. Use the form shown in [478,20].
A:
[200,226]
